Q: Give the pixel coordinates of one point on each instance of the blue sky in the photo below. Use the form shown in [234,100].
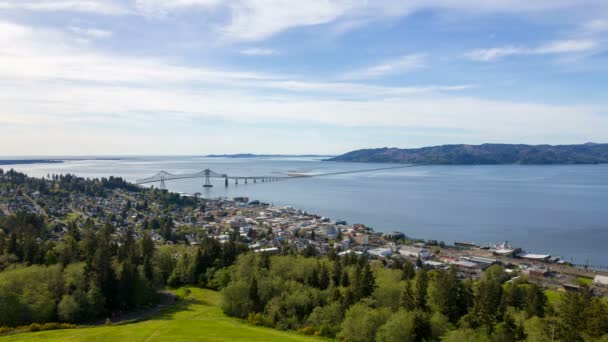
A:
[317,76]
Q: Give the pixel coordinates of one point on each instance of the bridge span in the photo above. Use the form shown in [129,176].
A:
[207,175]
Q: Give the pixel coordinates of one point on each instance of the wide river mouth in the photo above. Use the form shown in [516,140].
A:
[560,210]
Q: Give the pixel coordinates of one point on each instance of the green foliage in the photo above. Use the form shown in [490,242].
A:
[362,322]
[197,316]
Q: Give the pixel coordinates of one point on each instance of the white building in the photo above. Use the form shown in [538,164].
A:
[416,252]
[380,252]
[600,280]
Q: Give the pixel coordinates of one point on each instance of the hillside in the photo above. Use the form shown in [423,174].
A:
[197,317]
[483,154]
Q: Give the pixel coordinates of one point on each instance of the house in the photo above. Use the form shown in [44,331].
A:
[534,257]
[600,280]
[416,252]
[362,239]
[466,265]
[329,231]
[535,272]
[380,252]
[434,264]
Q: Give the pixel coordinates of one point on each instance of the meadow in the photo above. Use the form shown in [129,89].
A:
[196,317]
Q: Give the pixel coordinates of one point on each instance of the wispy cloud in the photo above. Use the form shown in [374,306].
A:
[554,47]
[595,26]
[259,52]
[91,32]
[105,7]
[395,66]
[41,73]
[254,20]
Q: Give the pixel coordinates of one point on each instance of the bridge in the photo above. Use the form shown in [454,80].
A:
[207,174]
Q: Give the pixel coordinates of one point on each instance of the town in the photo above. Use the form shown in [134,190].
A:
[187,219]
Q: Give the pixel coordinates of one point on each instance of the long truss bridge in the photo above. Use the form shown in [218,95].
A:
[207,175]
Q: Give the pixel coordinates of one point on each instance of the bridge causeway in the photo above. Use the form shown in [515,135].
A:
[207,175]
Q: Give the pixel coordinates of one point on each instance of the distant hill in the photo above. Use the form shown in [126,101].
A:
[250,155]
[28,161]
[589,153]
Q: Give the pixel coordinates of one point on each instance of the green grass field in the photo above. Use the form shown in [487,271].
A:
[197,317]
[553,296]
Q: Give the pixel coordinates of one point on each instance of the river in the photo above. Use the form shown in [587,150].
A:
[558,210]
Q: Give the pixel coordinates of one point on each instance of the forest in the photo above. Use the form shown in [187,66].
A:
[95,272]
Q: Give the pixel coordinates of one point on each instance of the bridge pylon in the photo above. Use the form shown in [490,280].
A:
[207,184]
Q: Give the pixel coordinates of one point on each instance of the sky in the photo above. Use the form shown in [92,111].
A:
[192,77]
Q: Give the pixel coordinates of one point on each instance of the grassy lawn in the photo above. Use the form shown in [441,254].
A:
[553,296]
[198,317]
[586,281]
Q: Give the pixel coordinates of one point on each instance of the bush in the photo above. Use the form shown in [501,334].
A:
[258,319]
[308,330]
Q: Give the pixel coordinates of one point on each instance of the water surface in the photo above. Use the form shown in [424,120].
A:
[559,210]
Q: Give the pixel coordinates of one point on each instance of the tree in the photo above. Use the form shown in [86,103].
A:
[447,295]
[361,323]
[324,278]
[535,301]
[68,309]
[408,302]
[408,270]
[398,328]
[367,283]
[421,286]
[147,253]
[254,296]
[337,273]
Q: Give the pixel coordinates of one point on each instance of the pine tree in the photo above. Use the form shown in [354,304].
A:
[337,273]
[408,270]
[407,297]
[421,285]
[323,278]
[254,296]
[147,252]
[367,283]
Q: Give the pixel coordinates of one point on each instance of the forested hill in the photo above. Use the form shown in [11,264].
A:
[589,153]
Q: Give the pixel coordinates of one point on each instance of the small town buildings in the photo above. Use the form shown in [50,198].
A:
[600,280]
[380,252]
[415,252]
[466,265]
[434,264]
[535,272]
[362,239]
[534,257]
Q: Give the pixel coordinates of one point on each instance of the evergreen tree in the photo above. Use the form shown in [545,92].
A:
[337,273]
[408,270]
[408,301]
[421,286]
[324,278]
[254,296]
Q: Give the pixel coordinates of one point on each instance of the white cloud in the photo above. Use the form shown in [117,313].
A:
[160,8]
[106,7]
[555,47]
[251,20]
[258,52]
[394,66]
[596,26]
[91,32]
[566,46]
[47,82]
